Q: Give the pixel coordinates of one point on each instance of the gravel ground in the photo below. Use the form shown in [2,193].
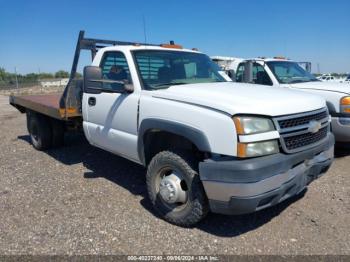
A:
[82,200]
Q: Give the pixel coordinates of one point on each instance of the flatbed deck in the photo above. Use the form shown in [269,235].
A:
[48,104]
[67,105]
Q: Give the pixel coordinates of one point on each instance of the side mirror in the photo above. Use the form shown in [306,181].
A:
[95,83]
[248,72]
[91,74]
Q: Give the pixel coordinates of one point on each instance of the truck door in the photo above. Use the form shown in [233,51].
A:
[110,118]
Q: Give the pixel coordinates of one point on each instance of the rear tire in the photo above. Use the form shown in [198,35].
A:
[40,131]
[185,212]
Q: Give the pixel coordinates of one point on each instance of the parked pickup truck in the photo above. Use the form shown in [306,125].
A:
[281,72]
[207,143]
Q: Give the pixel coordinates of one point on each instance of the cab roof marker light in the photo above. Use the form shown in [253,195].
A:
[172,45]
[280,57]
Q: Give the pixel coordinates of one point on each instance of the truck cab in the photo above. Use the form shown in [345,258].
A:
[285,73]
[208,144]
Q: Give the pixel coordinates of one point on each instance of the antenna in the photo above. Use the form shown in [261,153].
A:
[144,28]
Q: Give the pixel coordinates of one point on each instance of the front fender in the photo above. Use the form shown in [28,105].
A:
[196,136]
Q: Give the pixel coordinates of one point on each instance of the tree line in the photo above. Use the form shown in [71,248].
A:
[7,78]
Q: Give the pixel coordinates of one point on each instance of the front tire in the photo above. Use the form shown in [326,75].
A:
[175,189]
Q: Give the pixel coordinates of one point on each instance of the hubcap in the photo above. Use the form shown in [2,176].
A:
[170,189]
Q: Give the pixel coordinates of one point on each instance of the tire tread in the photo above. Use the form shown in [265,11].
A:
[188,163]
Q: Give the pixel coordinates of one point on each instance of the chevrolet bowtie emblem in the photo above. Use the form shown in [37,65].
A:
[314,126]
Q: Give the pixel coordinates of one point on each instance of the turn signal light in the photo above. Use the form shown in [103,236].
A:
[241,150]
[239,127]
[345,101]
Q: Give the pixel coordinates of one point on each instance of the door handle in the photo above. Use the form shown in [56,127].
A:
[92,101]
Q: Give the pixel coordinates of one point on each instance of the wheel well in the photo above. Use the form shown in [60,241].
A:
[155,141]
[331,108]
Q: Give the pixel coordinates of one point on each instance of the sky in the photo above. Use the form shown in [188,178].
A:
[41,35]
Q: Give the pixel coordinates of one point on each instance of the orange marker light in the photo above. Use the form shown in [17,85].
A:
[241,150]
[238,125]
[171,46]
[345,101]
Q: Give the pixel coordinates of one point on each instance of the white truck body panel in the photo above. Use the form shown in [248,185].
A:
[112,123]
[231,98]
[214,123]
[332,91]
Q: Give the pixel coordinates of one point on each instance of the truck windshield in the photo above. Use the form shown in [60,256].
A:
[160,69]
[290,72]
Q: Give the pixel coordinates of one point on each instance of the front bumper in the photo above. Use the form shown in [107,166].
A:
[245,186]
[341,128]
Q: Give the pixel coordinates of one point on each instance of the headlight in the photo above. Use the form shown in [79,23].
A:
[345,105]
[250,125]
[257,148]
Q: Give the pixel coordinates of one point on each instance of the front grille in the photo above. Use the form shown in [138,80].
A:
[294,130]
[293,142]
[303,120]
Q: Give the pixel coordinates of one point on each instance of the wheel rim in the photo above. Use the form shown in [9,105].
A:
[172,187]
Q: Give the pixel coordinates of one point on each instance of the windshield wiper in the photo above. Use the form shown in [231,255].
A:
[170,84]
[298,81]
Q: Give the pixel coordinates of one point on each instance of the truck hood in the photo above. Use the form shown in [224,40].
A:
[327,86]
[239,98]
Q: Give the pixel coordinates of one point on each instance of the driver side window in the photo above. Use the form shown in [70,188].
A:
[115,67]
[240,73]
[259,74]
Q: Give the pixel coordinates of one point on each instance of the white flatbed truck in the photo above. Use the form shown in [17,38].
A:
[208,144]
